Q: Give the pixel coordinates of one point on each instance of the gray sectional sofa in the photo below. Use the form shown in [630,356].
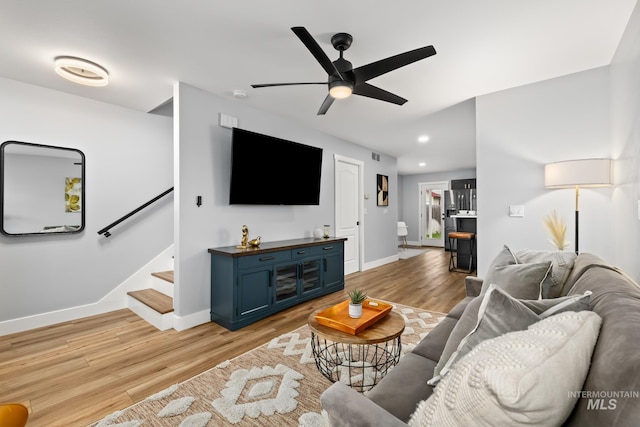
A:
[610,390]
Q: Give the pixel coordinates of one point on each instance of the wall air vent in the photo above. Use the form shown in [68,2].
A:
[375,156]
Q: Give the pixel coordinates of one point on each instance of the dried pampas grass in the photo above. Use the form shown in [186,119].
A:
[558,230]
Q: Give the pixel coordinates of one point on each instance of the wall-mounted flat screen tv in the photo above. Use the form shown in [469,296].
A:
[266,170]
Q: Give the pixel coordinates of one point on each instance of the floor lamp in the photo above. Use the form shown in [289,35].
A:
[576,174]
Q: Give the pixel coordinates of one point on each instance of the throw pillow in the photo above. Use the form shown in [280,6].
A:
[522,281]
[505,257]
[499,305]
[497,313]
[561,265]
[521,378]
[548,307]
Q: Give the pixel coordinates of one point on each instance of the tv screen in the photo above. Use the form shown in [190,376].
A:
[266,170]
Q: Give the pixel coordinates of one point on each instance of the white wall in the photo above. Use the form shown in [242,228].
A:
[128,161]
[202,167]
[625,113]
[518,132]
[410,195]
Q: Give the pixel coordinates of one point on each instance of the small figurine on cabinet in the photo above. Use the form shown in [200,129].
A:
[245,237]
[254,243]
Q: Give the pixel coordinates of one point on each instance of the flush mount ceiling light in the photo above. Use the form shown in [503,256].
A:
[81,71]
[423,138]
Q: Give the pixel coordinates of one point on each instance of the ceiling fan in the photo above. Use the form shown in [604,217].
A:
[343,79]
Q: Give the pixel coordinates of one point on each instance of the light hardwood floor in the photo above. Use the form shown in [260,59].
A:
[75,373]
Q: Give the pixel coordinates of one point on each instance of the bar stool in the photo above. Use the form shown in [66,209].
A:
[454,237]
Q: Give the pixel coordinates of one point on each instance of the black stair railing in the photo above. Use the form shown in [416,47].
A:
[105,230]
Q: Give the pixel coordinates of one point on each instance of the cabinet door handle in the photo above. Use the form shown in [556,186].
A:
[327,248]
[266,258]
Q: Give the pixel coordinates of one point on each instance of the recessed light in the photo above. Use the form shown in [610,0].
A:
[81,71]
[422,164]
[423,138]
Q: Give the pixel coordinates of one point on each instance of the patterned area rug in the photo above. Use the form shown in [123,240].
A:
[275,384]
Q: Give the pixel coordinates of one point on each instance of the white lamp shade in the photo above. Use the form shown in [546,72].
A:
[579,173]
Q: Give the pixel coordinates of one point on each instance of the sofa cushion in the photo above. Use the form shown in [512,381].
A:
[398,392]
[521,378]
[561,265]
[549,307]
[433,344]
[581,265]
[522,281]
[505,308]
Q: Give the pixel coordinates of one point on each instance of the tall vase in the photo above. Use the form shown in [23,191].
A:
[355,311]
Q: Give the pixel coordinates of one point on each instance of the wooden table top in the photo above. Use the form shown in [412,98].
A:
[389,327]
[266,247]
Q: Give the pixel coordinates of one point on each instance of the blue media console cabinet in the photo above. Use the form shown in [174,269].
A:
[250,284]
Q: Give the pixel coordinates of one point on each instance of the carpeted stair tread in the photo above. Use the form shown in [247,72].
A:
[158,301]
[164,275]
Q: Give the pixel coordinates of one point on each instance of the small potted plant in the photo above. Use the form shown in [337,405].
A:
[356,298]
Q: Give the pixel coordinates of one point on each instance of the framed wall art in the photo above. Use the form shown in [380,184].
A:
[383,190]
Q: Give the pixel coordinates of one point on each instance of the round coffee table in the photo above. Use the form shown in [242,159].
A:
[361,360]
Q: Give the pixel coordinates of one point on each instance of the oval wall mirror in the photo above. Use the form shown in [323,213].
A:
[41,189]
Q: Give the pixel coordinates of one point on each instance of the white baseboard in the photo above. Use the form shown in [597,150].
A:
[380,262]
[191,320]
[51,318]
[114,300]
[117,299]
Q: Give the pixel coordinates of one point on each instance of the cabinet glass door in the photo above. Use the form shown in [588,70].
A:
[310,275]
[286,283]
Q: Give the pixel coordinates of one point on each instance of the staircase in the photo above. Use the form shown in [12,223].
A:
[155,305]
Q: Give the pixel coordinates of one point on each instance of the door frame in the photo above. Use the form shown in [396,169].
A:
[422,186]
[360,165]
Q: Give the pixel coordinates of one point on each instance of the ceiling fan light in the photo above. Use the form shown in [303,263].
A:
[340,89]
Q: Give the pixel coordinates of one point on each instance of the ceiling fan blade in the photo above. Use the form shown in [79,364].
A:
[325,105]
[287,84]
[375,69]
[370,91]
[316,51]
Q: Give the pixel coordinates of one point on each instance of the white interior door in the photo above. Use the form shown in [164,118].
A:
[431,213]
[348,192]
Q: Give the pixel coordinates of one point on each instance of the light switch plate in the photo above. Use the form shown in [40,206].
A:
[516,211]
